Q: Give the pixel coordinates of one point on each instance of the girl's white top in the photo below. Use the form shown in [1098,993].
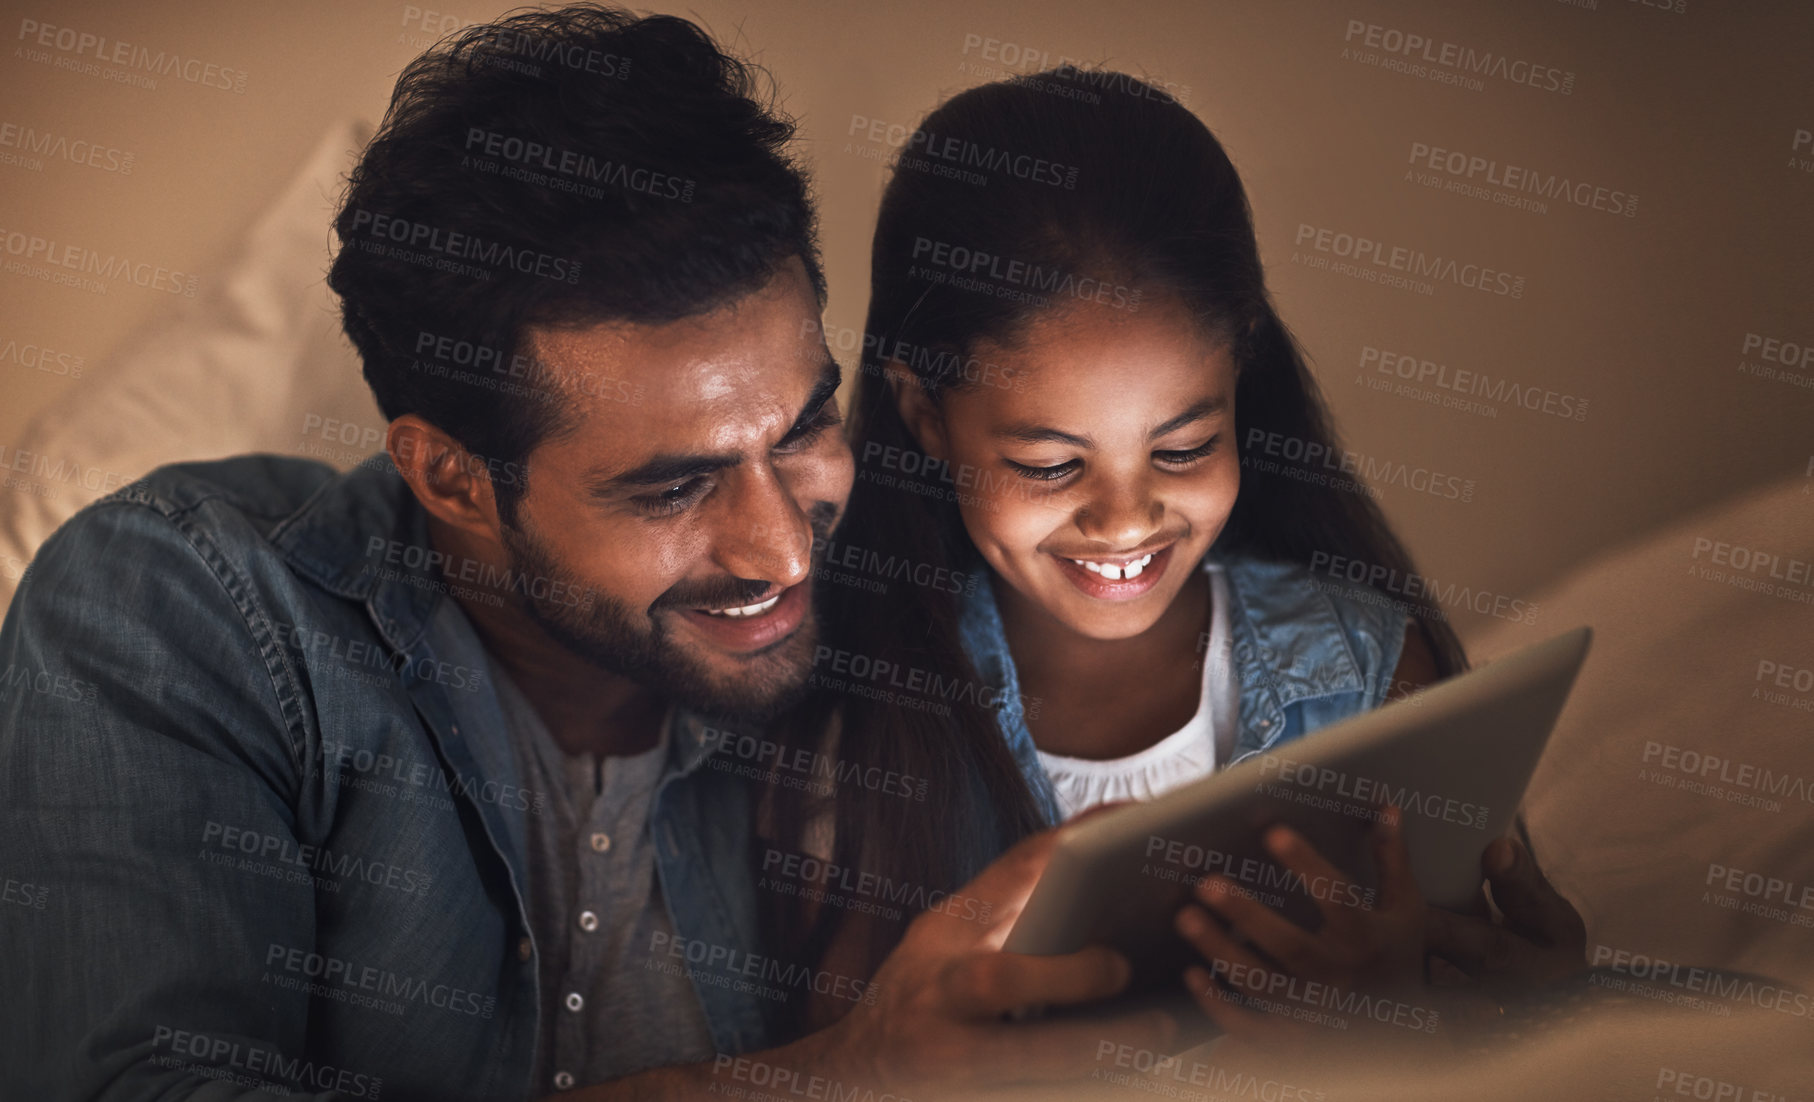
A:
[1190,752]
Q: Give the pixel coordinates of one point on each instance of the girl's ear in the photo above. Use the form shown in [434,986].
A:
[924,420]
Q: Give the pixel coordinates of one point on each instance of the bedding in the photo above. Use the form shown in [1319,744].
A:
[258,363]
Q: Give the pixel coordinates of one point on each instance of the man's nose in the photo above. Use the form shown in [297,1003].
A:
[764,534]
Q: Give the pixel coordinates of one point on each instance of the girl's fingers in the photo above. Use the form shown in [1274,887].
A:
[1398,890]
[1228,1010]
[1228,958]
[1291,849]
[1294,947]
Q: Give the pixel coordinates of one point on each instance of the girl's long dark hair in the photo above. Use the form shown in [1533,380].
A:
[1060,178]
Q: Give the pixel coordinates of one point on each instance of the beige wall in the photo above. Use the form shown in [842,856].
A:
[1696,113]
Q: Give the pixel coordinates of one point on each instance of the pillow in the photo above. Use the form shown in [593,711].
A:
[1680,780]
[257,363]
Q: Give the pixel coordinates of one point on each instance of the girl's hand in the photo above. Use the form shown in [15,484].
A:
[1539,940]
[1269,978]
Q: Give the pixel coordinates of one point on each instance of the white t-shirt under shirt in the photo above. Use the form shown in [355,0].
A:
[1192,751]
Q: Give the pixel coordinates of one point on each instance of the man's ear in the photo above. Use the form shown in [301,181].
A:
[451,483]
[924,420]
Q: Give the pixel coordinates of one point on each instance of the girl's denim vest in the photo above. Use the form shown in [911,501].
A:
[1306,653]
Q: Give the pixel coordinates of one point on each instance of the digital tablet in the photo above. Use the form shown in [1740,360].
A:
[1455,757]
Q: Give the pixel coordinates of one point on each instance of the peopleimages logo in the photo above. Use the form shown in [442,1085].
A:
[124,62]
[528,153]
[1770,357]
[40,466]
[1473,384]
[1743,783]
[883,355]
[1410,262]
[703,958]
[925,150]
[1302,456]
[1035,278]
[1199,863]
[803,768]
[1654,977]
[321,859]
[41,358]
[1446,62]
[1466,170]
[29,247]
[521,44]
[882,567]
[264,1069]
[1226,1083]
[1290,773]
[35,145]
[378,228]
[337,976]
[464,568]
[1416,586]
[1801,150]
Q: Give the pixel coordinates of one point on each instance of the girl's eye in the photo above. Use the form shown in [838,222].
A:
[1042,474]
[1185,458]
[675,499]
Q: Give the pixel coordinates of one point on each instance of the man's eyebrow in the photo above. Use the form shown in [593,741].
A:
[1030,433]
[830,378]
[670,468]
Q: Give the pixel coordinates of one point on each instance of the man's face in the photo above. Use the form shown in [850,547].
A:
[707,456]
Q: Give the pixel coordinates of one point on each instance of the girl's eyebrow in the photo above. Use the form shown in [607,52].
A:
[1200,411]
[1025,432]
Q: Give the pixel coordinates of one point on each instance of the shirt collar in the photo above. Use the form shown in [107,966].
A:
[363,536]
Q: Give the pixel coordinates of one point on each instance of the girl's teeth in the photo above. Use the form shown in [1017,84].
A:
[1116,572]
[745,610]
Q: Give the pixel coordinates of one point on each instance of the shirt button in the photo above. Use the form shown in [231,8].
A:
[601,842]
[588,921]
[525,949]
[575,1002]
[563,1081]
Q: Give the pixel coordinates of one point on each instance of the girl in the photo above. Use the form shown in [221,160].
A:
[1071,366]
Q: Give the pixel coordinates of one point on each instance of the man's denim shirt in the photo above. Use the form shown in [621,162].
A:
[1306,653]
[259,813]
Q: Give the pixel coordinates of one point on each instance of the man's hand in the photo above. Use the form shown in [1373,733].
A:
[944,993]
[1542,938]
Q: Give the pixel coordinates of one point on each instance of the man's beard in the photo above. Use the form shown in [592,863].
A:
[608,633]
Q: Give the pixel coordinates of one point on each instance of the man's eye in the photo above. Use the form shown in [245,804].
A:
[675,499]
[808,434]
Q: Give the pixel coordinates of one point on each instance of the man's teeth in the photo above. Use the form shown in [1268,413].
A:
[1115,572]
[745,610]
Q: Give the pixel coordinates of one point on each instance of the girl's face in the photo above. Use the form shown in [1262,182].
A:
[1095,482]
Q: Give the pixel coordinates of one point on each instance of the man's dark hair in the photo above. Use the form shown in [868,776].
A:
[556,168]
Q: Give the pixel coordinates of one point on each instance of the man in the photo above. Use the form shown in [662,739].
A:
[394,783]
